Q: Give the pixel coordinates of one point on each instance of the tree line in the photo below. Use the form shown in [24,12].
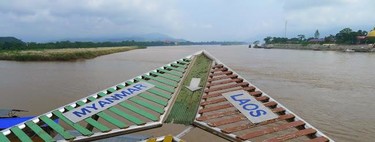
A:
[15,44]
[344,36]
[69,44]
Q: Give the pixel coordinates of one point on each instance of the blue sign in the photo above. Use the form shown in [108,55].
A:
[105,102]
[254,110]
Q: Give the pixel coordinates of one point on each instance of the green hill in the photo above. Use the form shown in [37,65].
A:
[10,43]
[10,39]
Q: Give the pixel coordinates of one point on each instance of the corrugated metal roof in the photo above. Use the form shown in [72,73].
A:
[219,116]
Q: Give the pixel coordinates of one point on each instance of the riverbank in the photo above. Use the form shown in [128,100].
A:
[66,54]
[323,47]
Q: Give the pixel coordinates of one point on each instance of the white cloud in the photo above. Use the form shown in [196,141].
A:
[330,14]
[196,20]
[66,18]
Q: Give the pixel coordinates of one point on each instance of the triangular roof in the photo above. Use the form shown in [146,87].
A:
[220,116]
[166,99]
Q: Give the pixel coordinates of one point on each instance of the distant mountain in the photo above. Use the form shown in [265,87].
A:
[11,43]
[145,37]
[10,40]
[154,37]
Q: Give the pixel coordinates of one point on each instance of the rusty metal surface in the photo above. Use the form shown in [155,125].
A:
[219,115]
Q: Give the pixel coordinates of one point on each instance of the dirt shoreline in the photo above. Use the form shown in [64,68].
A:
[323,47]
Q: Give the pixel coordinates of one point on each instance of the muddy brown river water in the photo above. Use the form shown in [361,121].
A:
[333,91]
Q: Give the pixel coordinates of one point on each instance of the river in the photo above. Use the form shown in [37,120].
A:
[333,91]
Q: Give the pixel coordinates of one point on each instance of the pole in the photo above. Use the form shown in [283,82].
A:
[286,23]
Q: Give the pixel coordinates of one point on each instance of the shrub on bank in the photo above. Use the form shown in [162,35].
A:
[60,54]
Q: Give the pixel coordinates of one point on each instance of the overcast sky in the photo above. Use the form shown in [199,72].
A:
[195,20]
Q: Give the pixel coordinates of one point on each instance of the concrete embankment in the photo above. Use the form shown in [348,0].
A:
[330,47]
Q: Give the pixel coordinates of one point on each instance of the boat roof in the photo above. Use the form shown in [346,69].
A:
[167,138]
[166,99]
[121,138]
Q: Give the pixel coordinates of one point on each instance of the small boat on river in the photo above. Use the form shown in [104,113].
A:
[349,50]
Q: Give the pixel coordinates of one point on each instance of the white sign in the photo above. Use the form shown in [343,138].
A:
[254,110]
[107,101]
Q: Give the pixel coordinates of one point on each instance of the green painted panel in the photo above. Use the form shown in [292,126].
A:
[176,69]
[170,90]
[111,90]
[157,86]
[39,131]
[184,62]
[161,94]
[120,86]
[123,114]
[93,122]
[3,138]
[107,117]
[20,134]
[178,65]
[150,98]
[139,111]
[140,102]
[187,60]
[147,105]
[170,83]
[57,128]
[76,126]
[153,99]
[166,76]
[129,117]
[178,74]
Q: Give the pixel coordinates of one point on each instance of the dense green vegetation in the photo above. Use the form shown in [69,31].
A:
[19,45]
[12,48]
[11,43]
[345,36]
[187,102]
[67,54]
[211,43]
